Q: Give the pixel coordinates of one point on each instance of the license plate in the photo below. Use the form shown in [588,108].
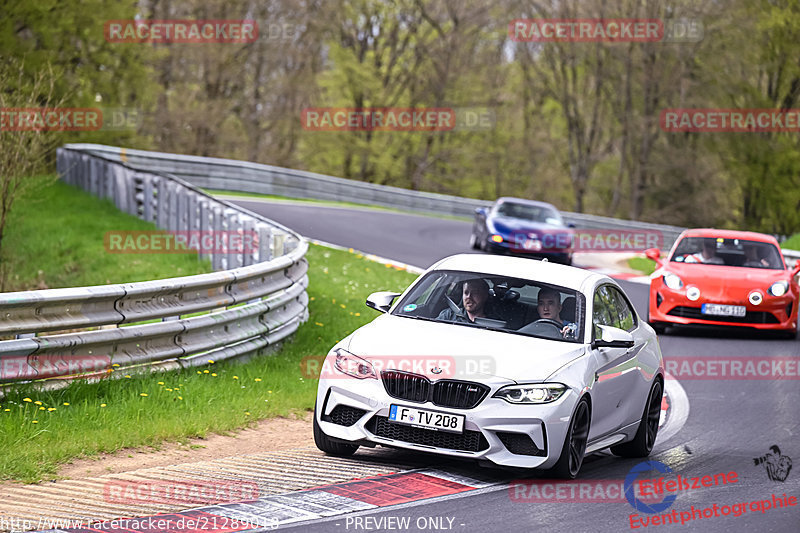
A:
[422,418]
[532,244]
[723,310]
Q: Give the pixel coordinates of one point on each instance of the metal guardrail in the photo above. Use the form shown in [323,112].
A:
[233,175]
[257,297]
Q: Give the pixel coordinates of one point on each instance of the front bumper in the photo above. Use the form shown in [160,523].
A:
[673,307]
[525,436]
[558,255]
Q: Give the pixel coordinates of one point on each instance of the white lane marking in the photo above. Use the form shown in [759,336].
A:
[678,408]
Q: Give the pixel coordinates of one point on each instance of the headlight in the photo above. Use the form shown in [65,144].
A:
[353,365]
[534,393]
[672,281]
[497,238]
[779,288]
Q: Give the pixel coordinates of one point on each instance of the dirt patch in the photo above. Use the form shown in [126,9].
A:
[274,434]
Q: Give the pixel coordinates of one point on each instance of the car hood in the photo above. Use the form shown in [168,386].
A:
[471,353]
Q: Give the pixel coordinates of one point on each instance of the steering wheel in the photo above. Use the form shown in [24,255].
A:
[549,322]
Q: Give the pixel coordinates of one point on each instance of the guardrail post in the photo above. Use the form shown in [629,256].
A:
[172,213]
[162,202]
[217,255]
[147,196]
[233,235]
[264,243]
[248,242]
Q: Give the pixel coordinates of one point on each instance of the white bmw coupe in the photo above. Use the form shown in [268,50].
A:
[521,363]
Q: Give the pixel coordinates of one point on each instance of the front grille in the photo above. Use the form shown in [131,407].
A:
[519,444]
[444,393]
[406,386]
[750,317]
[344,415]
[468,441]
[458,394]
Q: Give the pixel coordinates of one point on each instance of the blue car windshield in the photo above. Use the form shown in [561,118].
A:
[533,213]
[512,305]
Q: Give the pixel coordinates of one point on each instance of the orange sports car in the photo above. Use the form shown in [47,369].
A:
[724,277]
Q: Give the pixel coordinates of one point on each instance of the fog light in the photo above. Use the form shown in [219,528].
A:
[755,297]
[693,293]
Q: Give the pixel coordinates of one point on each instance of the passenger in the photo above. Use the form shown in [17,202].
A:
[752,258]
[549,306]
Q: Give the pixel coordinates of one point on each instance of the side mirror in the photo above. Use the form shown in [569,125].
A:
[381,301]
[571,225]
[613,338]
[481,211]
[655,255]
[796,271]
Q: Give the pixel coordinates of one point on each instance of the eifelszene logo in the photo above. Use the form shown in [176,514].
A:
[777,466]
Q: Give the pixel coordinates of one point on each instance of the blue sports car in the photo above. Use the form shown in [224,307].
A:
[524,227]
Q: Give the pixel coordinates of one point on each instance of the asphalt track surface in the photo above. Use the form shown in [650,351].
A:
[730,423]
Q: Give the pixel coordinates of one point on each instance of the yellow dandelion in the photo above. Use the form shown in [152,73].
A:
[37,402]
[51,409]
[142,394]
[41,408]
[213,375]
[205,371]
[66,403]
[115,365]
[258,379]
[358,314]
[34,421]
[27,400]
[247,413]
[269,391]
[127,376]
[169,390]
[160,382]
[342,306]
[320,324]
[334,300]
[102,405]
[199,372]
[235,377]
[6,410]
[350,250]
[312,298]
[180,397]
[211,361]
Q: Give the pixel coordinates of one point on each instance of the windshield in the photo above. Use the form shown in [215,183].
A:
[512,305]
[728,252]
[534,213]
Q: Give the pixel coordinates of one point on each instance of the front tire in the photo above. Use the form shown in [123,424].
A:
[473,242]
[328,445]
[642,443]
[571,459]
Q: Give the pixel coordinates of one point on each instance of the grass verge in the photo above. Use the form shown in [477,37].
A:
[642,264]
[792,243]
[41,430]
[55,238]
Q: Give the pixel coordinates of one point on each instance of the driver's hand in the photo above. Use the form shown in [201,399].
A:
[568,331]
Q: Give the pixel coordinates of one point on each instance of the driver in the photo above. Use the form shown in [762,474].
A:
[707,255]
[474,295]
[549,307]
